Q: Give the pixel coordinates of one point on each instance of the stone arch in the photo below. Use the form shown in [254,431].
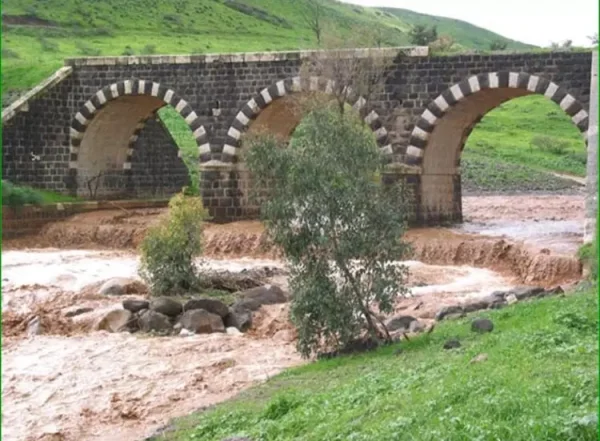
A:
[465,103]
[253,108]
[114,116]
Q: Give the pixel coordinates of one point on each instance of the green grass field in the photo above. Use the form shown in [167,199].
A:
[38,34]
[539,382]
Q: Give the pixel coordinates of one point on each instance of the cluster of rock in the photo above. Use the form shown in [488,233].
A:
[495,300]
[166,315]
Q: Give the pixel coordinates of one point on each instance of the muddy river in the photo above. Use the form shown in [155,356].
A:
[73,384]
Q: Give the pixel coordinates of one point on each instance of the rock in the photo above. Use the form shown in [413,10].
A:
[166,306]
[525,292]
[185,333]
[482,325]
[240,319]
[34,327]
[453,343]
[449,312]
[78,311]
[254,298]
[211,305]
[116,320]
[201,322]
[511,299]
[479,358]
[555,291]
[153,321]
[135,305]
[476,305]
[416,326]
[121,285]
[495,300]
[233,331]
[400,322]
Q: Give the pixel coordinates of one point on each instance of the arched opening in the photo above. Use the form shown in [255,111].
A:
[134,139]
[437,142]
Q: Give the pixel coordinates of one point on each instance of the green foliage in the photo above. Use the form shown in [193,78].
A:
[87,50]
[482,173]
[335,225]
[15,196]
[420,35]
[539,382]
[48,45]
[149,49]
[588,254]
[9,53]
[128,51]
[549,144]
[169,248]
[498,45]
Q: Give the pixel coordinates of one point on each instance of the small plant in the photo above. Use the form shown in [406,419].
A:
[15,196]
[128,51]
[48,45]
[498,45]
[169,248]
[588,254]
[87,50]
[149,49]
[9,53]
[549,144]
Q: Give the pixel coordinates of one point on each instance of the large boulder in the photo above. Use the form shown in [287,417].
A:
[153,321]
[400,322]
[122,285]
[526,292]
[115,321]
[135,305]
[201,322]
[449,312]
[254,298]
[240,319]
[166,306]
[211,305]
[482,325]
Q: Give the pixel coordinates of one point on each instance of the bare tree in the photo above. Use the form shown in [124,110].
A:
[351,74]
[593,39]
[312,13]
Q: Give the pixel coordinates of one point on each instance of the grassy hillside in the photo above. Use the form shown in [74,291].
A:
[538,382]
[39,34]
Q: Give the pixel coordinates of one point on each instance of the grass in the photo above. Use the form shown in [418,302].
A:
[531,131]
[33,49]
[539,382]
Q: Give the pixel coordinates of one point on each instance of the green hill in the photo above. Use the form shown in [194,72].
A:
[38,34]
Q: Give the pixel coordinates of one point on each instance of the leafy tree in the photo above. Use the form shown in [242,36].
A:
[420,35]
[169,248]
[498,45]
[340,230]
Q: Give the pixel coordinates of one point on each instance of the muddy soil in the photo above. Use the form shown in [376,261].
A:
[72,383]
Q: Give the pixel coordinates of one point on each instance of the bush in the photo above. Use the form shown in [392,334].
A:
[549,144]
[86,50]
[15,196]
[149,49]
[498,45]
[588,254]
[340,231]
[128,51]
[169,248]
[47,45]
[9,53]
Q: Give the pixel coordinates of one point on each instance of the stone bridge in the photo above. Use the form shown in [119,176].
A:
[96,117]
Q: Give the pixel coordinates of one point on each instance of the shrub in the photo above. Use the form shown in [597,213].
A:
[149,49]
[549,144]
[15,196]
[588,254]
[48,45]
[169,248]
[128,51]
[498,45]
[340,231]
[87,50]
[9,53]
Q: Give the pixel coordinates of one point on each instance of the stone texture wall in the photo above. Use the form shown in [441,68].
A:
[211,91]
